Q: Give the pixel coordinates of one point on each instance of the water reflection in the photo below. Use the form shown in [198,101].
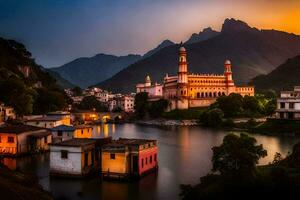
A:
[184,156]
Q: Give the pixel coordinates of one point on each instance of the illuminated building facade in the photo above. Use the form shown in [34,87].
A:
[188,90]
[129,157]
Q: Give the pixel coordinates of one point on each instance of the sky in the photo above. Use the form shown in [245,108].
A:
[58,31]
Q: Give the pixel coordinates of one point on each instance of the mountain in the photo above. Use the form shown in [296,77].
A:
[63,83]
[25,85]
[251,51]
[162,45]
[90,70]
[284,77]
[206,34]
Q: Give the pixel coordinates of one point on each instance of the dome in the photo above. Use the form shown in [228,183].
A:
[148,80]
[227,62]
[182,48]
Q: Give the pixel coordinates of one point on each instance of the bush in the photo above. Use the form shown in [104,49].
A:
[156,108]
[213,117]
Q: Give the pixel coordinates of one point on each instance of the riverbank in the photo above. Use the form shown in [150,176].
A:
[15,185]
[168,122]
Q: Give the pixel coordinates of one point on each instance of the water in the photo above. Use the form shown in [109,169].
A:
[184,156]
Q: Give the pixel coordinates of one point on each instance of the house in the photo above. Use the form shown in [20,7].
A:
[126,103]
[14,139]
[40,141]
[62,132]
[64,115]
[76,157]
[153,90]
[45,121]
[6,112]
[86,116]
[83,131]
[129,157]
[288,104]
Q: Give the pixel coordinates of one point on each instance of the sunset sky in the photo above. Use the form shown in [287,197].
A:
[57,31]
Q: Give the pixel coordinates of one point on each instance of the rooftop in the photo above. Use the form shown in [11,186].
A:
[63,128]
[127,141]
[75,142]
[45,118]
[17,129]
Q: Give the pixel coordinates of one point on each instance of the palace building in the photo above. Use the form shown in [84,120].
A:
[196,90]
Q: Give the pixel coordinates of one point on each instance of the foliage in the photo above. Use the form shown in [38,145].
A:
[157,108]
[213,117]
[237,156]
[141,104]
[191,113]
[91,103]
[231,105]
[77,91]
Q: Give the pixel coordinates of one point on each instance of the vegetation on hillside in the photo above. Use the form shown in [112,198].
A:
[36,93]
[235,174]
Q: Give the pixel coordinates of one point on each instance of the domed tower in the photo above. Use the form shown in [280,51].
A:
[182,73]
[228,73]
[147,81]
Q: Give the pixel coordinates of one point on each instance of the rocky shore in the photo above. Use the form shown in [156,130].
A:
[166,122]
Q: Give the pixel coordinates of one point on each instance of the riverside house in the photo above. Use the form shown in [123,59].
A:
[62,132]
[50,120]
[21,139]
[77,157]
[125,158]
[288,104]
[83,131]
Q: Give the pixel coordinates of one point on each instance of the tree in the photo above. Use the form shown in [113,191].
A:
[156,108]
[237,156]
[77,91]
[213,117]
[141,104]
[90,103]
[251,104]
[231,105]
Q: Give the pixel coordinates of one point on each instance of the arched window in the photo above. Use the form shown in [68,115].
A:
[210,94]
[215,94]
[219,94]
[206,95]
[202,94]
[198,94]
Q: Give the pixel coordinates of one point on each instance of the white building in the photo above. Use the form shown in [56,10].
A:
[62,133]
[76,157]
[45,122]
[288,104]
[153,90]
[126,103]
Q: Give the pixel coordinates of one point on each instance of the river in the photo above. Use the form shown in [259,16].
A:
[184,156]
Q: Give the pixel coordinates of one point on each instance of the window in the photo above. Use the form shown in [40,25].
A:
[59,133]
[282,105]
[291,105]
[112,156]
[150,159]
[142,162]
[64,154]
[146,161]
[10,139]
[155,155]
[0,139]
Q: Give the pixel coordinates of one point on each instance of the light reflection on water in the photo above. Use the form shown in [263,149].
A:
[184,156]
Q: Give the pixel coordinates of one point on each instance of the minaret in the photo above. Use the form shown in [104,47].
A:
[182,73]
[147,81]
[228,73]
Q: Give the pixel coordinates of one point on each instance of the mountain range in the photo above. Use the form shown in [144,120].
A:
[284,77]
[87,71]
[252,52]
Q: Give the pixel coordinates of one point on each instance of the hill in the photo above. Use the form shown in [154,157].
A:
[90,70]
[206,34]
[25,85]
[284,77]
[63,83]
[251,51]
[162,45]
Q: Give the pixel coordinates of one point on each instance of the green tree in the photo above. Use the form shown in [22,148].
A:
[231,105]
[251,105]
[77,91]
[237,156]
[90,103]
[156,108]
[141,104]
[213,117]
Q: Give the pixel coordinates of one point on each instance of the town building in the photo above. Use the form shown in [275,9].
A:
[64,115]
[21,139]
[126,103]
[129,157]
[86,116]
[186,90]
[6,113]
[288,104]
[153,90]
[62,133]
[76,157]
[83,131]
[45,121]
